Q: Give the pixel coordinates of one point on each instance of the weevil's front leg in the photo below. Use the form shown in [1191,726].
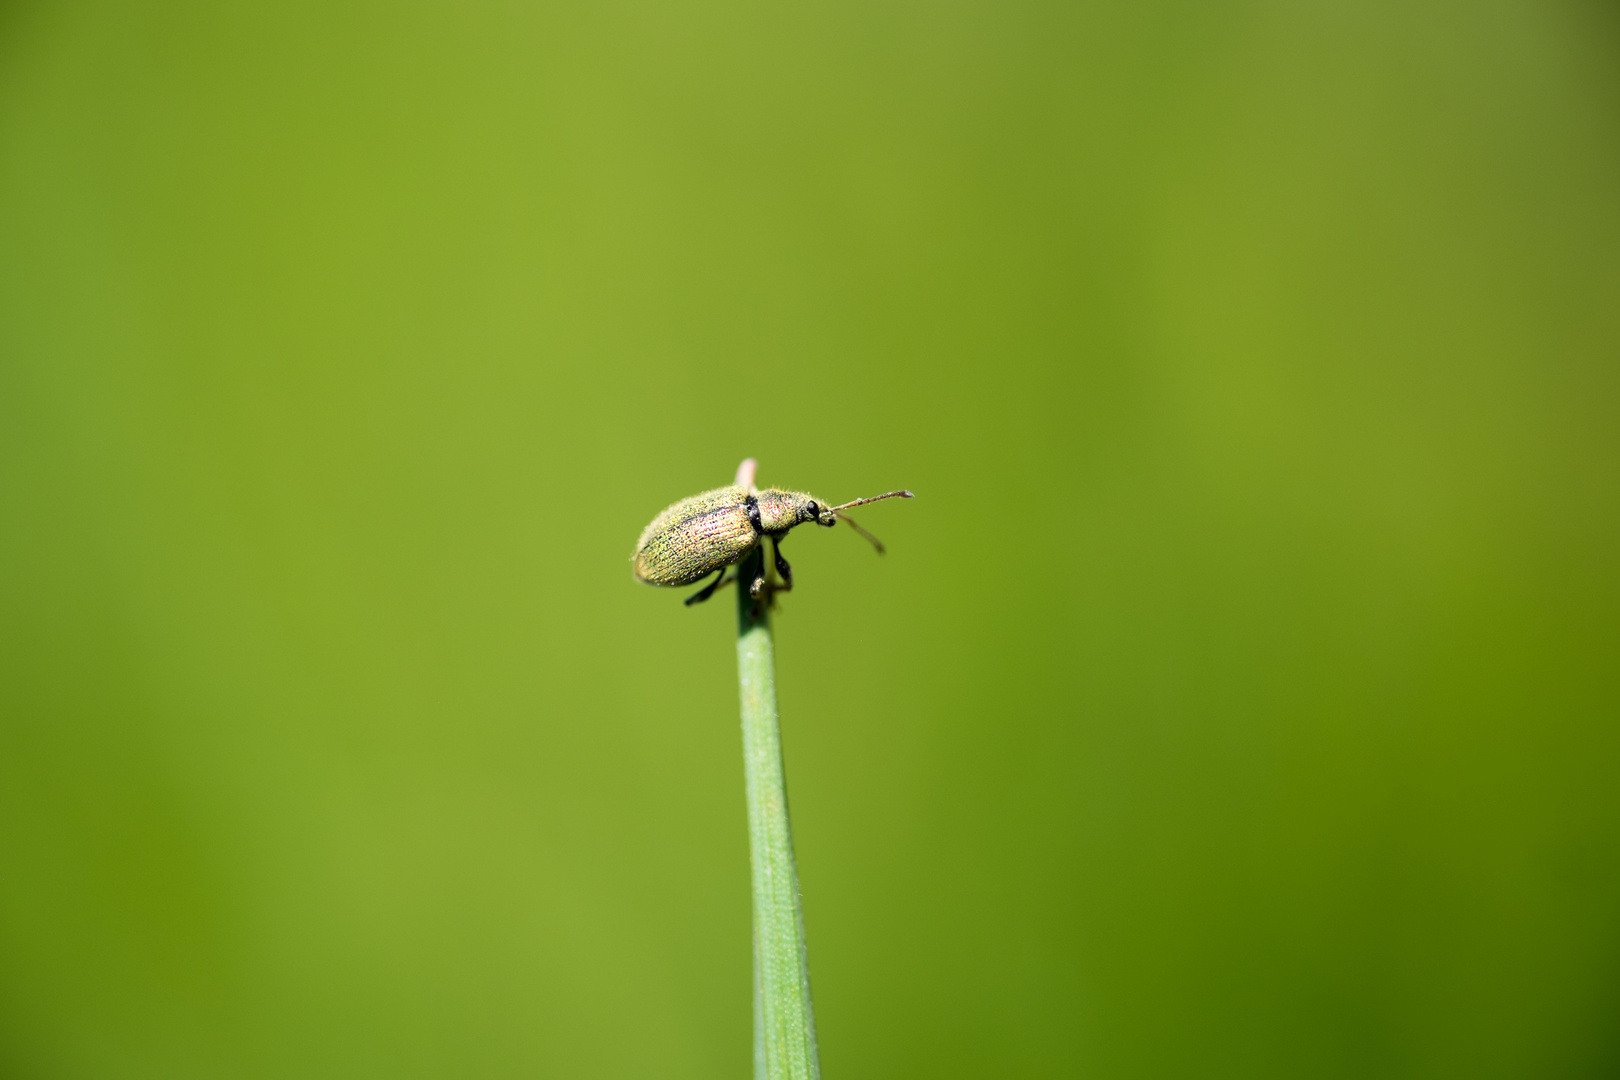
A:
[708,590]
[761,574]
[782,566]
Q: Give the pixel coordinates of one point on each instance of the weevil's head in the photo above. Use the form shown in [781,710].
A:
[814,509]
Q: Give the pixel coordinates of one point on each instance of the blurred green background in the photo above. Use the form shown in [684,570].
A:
[1238,698]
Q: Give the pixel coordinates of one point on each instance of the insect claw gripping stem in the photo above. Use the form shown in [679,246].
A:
[782,566]
[762,587]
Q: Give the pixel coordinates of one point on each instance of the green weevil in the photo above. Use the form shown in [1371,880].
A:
[708,533]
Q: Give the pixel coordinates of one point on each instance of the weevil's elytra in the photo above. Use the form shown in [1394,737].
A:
[707,533]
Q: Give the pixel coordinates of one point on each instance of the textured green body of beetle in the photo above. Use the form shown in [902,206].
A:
[705,534]
[708,532]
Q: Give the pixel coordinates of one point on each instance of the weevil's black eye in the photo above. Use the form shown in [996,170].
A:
[815,511]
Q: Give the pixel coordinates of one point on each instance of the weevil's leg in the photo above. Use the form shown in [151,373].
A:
[782,566]
[751,569]
[708,590]
[761,575]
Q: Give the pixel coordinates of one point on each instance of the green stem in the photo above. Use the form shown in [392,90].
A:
[783,1019]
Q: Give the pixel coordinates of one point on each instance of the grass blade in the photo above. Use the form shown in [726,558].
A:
[784,1024]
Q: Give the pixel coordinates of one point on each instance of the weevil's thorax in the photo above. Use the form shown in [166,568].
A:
[780,510]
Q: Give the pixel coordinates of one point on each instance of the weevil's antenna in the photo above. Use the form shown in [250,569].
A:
[877,498]
[846,519]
